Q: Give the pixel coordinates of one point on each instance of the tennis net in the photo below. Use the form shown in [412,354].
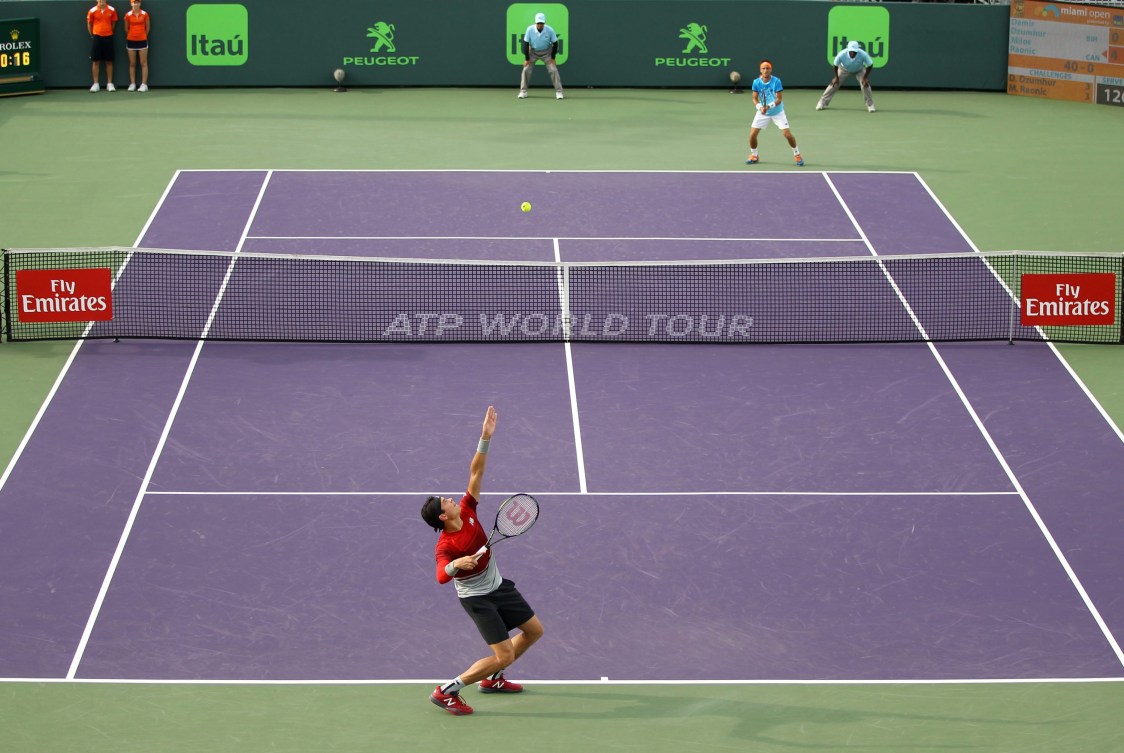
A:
[112,293]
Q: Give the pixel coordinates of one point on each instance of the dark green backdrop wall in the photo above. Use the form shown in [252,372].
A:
[659,43]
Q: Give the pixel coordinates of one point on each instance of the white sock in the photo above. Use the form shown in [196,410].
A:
[796,150]
[452,687]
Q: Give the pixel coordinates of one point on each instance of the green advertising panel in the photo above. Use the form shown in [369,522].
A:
[696,52]
[610,43]
[522,15]
[869,25]
[384,49]
[217,34]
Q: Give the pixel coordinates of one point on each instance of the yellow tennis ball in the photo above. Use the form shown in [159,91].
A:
[525,206]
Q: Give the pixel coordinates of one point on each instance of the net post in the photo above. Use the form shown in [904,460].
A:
[5,308]
[1120,299]
[1014,299]
[567,334]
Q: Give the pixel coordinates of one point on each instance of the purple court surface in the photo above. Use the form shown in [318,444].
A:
[248,511]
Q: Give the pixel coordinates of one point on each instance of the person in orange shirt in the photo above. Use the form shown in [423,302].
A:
[137,24]
[101,20]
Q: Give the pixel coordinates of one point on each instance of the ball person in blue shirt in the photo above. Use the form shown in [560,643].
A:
[540,43]
[767,98]
[852,60]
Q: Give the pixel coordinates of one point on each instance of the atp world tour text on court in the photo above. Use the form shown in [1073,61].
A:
[420,324]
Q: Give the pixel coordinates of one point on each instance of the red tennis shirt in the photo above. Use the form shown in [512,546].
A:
[467,540]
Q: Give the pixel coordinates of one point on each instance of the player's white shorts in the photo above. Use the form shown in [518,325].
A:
[761,121]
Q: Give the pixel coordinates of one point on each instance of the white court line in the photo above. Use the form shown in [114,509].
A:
[584,493]
[74,353]
[39,414]
[601,681]
[1061,359]
[81,649]
[540,238]
[994,448]
[744,172]
[572,385]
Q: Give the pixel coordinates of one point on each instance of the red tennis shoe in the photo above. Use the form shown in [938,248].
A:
[451,702]
[502,685]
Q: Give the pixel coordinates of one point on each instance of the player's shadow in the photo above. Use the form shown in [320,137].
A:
[751,721]
[943,113]
[827,168]
[355,353]
[49,349]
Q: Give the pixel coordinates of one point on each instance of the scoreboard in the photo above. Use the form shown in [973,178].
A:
[19,57]
[1066,51]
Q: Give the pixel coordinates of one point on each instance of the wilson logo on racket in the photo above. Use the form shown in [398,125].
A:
[516,515]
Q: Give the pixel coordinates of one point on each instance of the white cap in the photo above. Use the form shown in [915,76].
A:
[540,18]
[853,45]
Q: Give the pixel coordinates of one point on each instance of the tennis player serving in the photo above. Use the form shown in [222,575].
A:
[492,602]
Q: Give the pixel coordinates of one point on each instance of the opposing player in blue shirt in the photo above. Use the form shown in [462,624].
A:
[852,60]
[540,42]
[767,98]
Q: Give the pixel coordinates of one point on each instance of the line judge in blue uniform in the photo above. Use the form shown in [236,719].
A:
[852,60]
[540,43]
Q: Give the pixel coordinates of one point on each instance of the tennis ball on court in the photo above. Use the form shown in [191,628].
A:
[525,206]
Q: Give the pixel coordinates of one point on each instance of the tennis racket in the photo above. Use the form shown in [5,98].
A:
[516,515]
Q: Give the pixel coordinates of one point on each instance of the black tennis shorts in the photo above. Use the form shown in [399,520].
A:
[498,613]
[101,48]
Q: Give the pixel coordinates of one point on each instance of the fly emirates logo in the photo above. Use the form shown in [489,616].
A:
[1068,299]
[64,295]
